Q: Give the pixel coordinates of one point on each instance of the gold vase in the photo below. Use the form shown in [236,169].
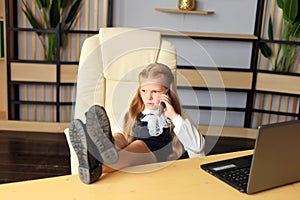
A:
[186,4]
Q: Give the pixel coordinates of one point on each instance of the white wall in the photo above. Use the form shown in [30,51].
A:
[231,16]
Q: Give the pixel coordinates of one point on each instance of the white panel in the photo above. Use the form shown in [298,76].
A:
[216,118]
[212,98]
[230,16]
[210,53]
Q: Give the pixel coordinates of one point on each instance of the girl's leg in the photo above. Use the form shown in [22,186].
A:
[120,141]
[135,153]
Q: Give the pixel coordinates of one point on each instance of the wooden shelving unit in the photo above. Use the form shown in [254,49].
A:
[36,89]
[3,71]
[196,12]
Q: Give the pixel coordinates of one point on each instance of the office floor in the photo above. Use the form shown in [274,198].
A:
[27,156]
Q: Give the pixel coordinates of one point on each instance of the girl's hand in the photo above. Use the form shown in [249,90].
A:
[169,109]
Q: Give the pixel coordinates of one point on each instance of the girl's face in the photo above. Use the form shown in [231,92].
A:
[151,95]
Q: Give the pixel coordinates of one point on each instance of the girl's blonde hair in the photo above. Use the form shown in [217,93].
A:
[153,73]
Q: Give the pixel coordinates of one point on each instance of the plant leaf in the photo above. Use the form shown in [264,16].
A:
[54,14]
[30,17]
[290,10]
[43,3]
[270,29]
[295,30]
[265,50]
[281,3]
[73,12]
[64,3]
[33,22]
[39,3]
[298,16]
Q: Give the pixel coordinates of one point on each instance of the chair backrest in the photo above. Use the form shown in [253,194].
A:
[109,66]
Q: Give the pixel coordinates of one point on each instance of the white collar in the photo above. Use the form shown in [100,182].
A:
[155,122]
[148,111]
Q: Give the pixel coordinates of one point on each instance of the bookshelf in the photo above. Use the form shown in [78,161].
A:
[3,71]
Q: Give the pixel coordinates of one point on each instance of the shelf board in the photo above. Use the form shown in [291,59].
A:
[210,35]
[197,12]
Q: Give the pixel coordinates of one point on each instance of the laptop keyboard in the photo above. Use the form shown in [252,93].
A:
[238,176]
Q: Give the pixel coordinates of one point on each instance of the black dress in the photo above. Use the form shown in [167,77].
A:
[160,145]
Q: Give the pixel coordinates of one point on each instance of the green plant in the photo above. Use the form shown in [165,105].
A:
[287,54]
[52,15]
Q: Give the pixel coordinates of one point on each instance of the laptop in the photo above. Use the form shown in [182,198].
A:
[275,160]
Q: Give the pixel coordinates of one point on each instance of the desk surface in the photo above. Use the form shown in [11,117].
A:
[181,179]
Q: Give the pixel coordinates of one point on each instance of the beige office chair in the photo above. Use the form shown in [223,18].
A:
[108,71]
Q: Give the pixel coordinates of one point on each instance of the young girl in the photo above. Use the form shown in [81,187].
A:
[154,129]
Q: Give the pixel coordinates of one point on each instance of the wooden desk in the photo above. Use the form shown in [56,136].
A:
[182,180]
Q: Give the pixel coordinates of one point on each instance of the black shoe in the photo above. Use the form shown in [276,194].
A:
[90,169]
[98,129]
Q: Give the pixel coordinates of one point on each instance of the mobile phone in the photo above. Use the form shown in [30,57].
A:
[162,105]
